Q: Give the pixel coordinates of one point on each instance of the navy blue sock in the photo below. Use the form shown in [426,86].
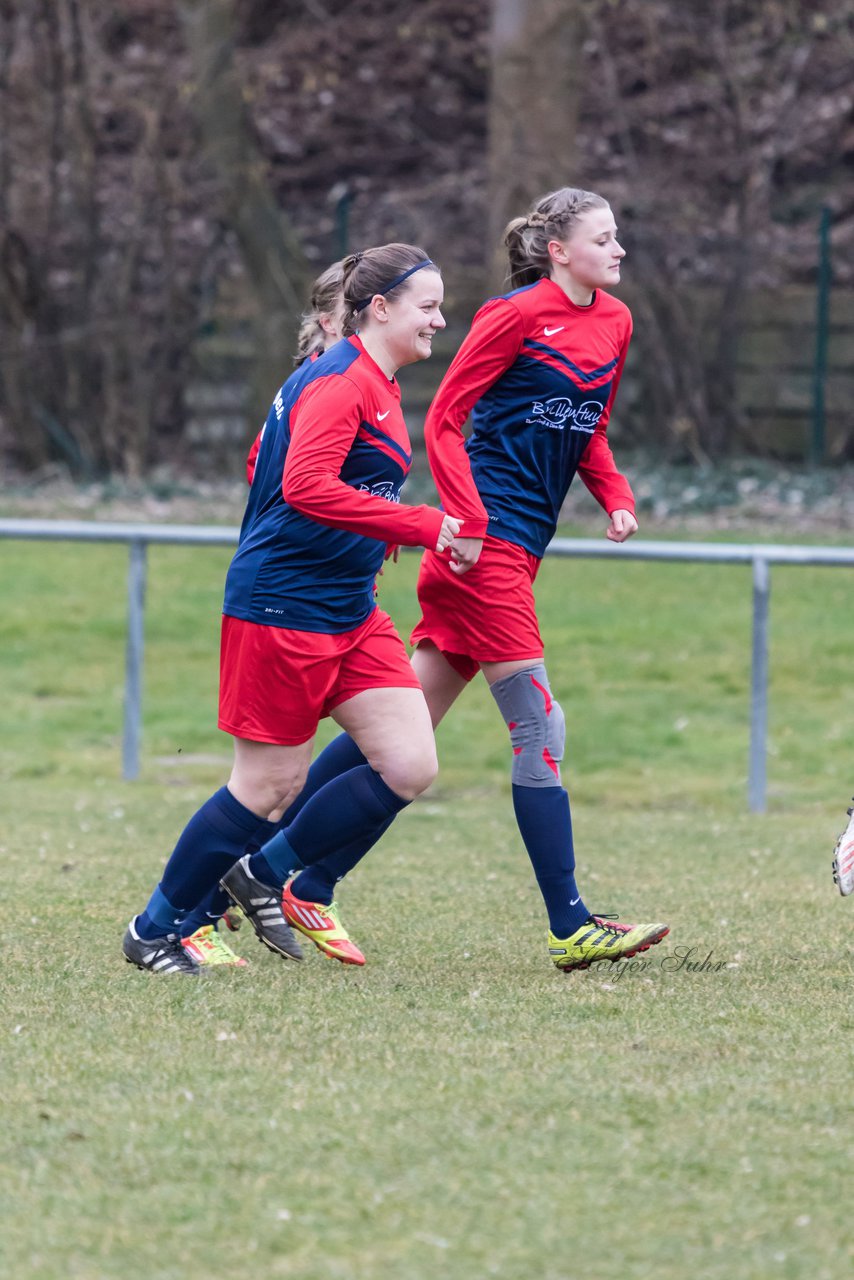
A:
[354,807]
[210,844]
[159,918]
[340,756]
[546,828]
[317,882]
[213,908]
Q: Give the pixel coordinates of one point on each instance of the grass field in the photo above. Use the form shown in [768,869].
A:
[456,1109]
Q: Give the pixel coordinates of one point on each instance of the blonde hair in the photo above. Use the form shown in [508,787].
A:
[552,217]
[324,300]
[371,272]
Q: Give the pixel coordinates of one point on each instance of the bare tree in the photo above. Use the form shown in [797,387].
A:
[97,310]
[535,84]
[704,108]
[271,251]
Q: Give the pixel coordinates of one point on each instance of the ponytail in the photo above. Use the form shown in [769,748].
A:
[385,269]
[325,298]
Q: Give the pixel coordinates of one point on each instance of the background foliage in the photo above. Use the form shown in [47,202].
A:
[169,166]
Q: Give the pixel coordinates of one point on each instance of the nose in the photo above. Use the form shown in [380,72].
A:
[438,321]
[620,251]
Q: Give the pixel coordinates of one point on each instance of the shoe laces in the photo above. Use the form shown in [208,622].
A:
[214,942]
[328,909]
[602,917]
[604,922]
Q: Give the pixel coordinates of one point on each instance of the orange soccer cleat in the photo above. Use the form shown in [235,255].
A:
[322,924]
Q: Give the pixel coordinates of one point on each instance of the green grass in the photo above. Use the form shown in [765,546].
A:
[455,1109]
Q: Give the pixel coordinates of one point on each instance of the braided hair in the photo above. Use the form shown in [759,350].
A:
[552,217]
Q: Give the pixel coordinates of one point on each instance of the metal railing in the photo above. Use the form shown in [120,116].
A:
[759,555]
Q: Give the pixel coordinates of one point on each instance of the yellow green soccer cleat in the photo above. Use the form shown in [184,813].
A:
[323,925]
[600,939]
[208,948]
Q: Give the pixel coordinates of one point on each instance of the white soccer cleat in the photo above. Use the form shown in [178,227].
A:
[843,858]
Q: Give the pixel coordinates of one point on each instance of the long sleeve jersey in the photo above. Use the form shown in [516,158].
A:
[252,456]
[325,498]
[538,375]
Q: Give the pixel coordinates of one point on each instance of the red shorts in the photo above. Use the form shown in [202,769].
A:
[276,684]
[486,614]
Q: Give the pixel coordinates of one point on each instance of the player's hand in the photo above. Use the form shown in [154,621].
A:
[449,530]
[392,552]
[465,553]
[622,526]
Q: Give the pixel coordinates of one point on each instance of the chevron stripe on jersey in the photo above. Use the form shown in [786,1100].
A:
[386,443]
[593,376]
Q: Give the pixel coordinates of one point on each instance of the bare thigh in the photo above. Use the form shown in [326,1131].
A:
[266,777]
[392,728]
[442,685]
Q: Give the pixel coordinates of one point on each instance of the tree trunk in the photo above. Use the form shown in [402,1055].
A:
[533,109]
[276,267]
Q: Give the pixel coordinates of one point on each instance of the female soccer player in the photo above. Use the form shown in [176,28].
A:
[322,326]
[302,636]
[538,373]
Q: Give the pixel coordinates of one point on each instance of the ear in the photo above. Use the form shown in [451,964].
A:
[558,253]
[378,308]
[327,323]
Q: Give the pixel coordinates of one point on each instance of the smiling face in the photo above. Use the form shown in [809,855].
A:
[413,317]
[589,257]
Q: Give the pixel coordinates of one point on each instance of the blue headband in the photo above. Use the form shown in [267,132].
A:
[360,306]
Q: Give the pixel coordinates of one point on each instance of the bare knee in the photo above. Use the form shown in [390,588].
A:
[286,792]
[268,790]
[411,771]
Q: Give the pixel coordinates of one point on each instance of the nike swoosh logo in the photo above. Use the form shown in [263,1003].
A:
[573,901]
[548,332]
[380,416]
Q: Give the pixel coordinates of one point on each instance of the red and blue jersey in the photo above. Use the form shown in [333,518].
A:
[538,374]
[252,456]
[325,498]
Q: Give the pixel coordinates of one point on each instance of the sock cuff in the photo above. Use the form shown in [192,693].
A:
[225,815]
[390,800]
[163,913]
[521,792]
[275,861]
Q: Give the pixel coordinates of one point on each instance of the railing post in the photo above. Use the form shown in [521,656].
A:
[133,658]
[756,785]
